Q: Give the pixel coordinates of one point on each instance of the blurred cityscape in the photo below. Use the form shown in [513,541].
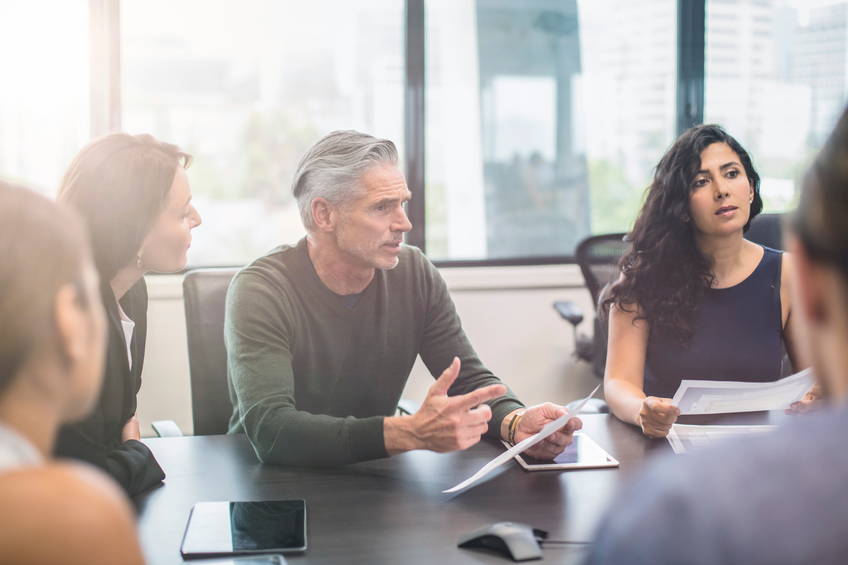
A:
[247,90]
[544,118]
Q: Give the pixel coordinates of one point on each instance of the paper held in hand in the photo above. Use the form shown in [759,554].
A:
[722,397]
[546,430]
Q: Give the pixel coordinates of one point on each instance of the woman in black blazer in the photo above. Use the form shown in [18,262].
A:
[133,193]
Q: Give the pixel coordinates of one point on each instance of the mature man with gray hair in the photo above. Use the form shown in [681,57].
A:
[321,336]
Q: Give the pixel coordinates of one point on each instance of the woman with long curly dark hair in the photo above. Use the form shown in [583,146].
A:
[695,299]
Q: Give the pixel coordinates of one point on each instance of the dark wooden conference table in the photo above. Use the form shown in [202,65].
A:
[392,510]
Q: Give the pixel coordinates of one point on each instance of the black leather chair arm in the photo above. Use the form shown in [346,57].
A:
[569,311]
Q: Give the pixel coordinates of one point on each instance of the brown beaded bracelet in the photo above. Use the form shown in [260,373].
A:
[513,424]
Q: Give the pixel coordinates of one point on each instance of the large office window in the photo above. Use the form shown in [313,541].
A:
[777,79]
[544,120]
[44,89]
[246,88]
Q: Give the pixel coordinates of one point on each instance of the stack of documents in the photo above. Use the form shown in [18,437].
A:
[685,438]
[722,397]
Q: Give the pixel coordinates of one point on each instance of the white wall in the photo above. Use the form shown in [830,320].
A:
[506,311]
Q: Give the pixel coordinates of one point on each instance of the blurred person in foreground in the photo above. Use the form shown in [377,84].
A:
[133,193]
[52,343]
[321,336]
[779,498]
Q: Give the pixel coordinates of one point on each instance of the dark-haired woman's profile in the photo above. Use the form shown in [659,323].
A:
[133,193]
[695,299]
[52,341]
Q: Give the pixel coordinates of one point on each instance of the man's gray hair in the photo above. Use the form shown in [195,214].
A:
[333,167]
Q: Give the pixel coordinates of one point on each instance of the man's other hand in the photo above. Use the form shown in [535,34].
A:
[534,419]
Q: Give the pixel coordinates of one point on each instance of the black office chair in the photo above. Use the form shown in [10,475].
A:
[598,258]
[767,230]
[204,293]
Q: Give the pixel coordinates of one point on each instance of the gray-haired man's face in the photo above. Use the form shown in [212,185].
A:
[370,229]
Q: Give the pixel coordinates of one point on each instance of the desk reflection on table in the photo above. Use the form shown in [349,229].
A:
[392,510]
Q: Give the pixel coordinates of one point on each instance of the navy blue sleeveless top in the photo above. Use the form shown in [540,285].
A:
[738,336]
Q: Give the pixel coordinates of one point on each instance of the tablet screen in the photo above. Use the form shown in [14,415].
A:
[582,453]
[231,528]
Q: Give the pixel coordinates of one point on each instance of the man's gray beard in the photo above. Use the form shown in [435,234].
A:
[361,251]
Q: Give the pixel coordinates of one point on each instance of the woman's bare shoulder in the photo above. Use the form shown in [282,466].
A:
[788,263]
[65,513]
[787,272]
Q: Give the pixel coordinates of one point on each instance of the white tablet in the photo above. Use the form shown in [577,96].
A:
[217,529]
[583,453]
[252,560]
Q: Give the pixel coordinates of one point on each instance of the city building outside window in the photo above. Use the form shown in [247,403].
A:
[544,121]
[776,75]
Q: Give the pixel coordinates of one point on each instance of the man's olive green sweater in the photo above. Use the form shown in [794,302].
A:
[311,379]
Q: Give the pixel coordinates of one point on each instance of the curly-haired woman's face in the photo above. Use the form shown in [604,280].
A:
[720,195]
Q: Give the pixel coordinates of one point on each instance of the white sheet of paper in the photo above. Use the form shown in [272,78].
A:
[546,430]
[685,438]
[722,397]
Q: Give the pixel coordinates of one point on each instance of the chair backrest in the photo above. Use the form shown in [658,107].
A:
[598,258]
[767,229]
[205,293]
